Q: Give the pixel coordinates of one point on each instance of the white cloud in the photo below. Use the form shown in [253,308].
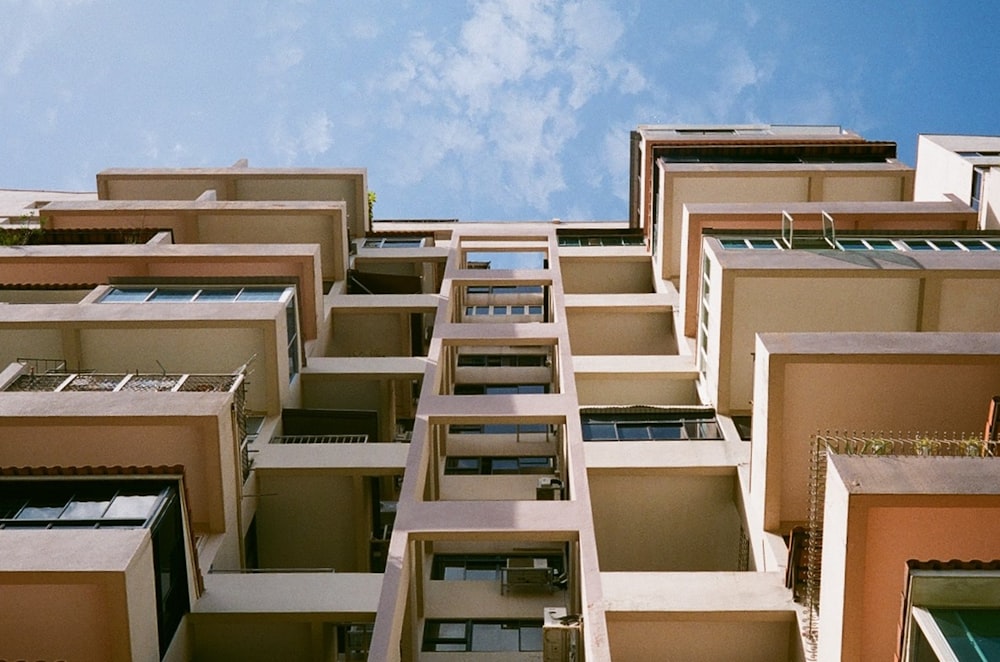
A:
[31,26]
[309,136]
[504,93]
[314,134]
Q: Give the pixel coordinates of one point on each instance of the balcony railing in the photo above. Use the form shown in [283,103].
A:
[62,382]
[320,439]
[864,444]
[115,382]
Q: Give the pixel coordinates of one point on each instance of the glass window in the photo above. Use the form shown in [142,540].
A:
[517,310]
[261,294]
[131,506]
[169,295]
[534,310]
[60,503]
[117,295]
[946,245]
[665,427]
[918,245]
[733,244]
[882,244]
[218,295]
[599,431]
[974,245]
[485,635]
[763,243]
[852,245]
[86,507]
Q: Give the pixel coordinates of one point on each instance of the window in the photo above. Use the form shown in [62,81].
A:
[112,503]
[80,504]
[603,240]
[976,196]
[951,612]
[521,259]
[500,389]
[177,294]
[249,294]
[504,310]
[504,289]
[394,242]
[481,567]
[498,466]
[502,360]
[955,634]
[650,427]
[482,635]
[499,428]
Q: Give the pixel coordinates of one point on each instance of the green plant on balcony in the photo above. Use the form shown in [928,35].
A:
[23,230]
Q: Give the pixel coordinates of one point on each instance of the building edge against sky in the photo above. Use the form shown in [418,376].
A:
[240,419]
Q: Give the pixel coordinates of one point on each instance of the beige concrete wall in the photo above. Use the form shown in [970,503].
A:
[666,520]
[312,520]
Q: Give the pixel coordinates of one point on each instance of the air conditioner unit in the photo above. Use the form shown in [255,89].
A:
[549,489]
[561,634]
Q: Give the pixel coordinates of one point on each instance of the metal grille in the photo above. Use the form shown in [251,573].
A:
[34,382]
[151,383]
[320,439]
[205,383]
[868,444]
[94,382]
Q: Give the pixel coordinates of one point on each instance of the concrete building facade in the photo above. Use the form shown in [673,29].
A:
[242,420]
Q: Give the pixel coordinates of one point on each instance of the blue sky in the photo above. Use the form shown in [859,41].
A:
[479,109]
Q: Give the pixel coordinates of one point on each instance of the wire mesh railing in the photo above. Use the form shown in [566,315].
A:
[870,444]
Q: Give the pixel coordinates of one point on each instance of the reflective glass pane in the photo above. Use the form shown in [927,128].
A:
[517,310]
[975,245]
[131,506]
[633,432]
[666,431]
[504,465]
[973,634]
[882,244]
[454,573]
[261,294]
[494,637]
[534,310]
[947,246]
[166,295]
[599,431]
[81,508]
[126,296]
[32,511]
[447,630]
[732,244]
[852,245]
[531,638]
[919,245]
[219,295]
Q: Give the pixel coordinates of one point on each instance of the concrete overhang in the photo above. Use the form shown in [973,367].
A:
[897,383]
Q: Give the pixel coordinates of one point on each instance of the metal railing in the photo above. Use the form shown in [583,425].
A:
[870,444]
[113,382]
[320,439]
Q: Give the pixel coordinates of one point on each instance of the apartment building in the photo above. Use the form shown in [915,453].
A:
[242,420]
